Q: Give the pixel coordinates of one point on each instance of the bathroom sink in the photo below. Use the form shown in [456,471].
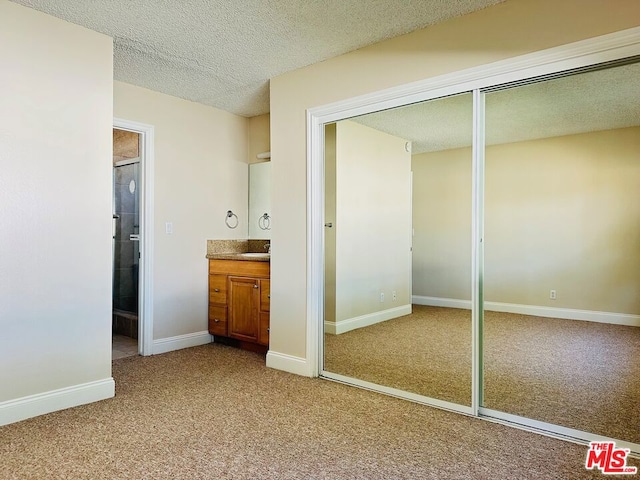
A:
[256,255]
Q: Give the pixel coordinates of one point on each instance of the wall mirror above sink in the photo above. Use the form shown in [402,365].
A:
[260,200]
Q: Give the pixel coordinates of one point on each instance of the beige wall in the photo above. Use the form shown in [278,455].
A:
[201,172]
[55,238]
[373,221]
[502,31]
[560,213]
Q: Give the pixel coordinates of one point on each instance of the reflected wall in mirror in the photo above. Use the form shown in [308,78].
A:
[397,252]
[260,200]
[562,238]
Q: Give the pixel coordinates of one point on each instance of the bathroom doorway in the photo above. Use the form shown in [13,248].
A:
[127,150]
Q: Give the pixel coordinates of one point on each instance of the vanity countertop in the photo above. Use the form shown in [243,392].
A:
[239,256]
[243,250]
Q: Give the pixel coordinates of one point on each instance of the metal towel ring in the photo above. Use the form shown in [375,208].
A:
[264,222]
[230,214]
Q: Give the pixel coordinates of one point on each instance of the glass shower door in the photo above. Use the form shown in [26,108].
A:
[126,242]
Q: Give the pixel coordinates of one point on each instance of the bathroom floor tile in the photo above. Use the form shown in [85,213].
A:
[123,347]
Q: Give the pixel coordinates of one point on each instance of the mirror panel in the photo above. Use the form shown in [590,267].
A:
[397,248]
[260,200]
[562,263]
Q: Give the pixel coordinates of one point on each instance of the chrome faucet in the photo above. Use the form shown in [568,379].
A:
[267,247]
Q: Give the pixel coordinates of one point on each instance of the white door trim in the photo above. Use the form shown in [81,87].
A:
[145,334]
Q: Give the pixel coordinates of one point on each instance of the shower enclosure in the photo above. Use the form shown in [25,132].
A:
[126,242]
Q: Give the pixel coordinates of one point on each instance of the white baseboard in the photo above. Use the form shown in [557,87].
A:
[336,328]
[330,327]
[288,363]
[441,302]
[566,313]
[538,311]
[33,405]
[164,345]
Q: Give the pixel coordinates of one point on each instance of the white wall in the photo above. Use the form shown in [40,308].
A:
[573,225]
[55,232]
[442,224]
[201,171]
[561,213]
[372,223]
[506,30]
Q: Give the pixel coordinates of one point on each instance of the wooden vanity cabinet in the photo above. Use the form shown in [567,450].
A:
[239,300]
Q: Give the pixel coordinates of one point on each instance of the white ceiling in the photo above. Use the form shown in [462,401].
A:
[223,53]
[598,100]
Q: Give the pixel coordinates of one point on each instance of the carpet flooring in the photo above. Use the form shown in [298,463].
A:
[577,374]
[427,352]
[215,412]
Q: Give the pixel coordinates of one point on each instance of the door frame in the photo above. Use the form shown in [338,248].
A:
[145,278]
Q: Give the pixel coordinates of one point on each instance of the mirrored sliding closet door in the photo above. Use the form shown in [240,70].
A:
[562,252]
[397,256]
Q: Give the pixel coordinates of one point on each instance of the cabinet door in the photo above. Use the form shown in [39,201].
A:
[243,315]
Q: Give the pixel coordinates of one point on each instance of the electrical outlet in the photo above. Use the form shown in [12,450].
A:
[381,297]
[394,295]
[552,294]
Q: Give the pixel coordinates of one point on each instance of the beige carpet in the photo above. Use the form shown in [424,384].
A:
[581,375]
[427,352]
[215,412]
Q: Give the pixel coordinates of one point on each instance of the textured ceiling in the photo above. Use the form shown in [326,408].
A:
[598,100]
[223,53]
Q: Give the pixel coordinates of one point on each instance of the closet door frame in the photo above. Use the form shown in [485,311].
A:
[554,61]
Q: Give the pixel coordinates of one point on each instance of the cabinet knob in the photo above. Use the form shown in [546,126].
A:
[255,286]
[216,290]
[216,320]
[268,330]
[269,296]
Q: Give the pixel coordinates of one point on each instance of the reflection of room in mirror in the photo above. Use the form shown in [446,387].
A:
[372,276]
[561,332]
[564,156]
